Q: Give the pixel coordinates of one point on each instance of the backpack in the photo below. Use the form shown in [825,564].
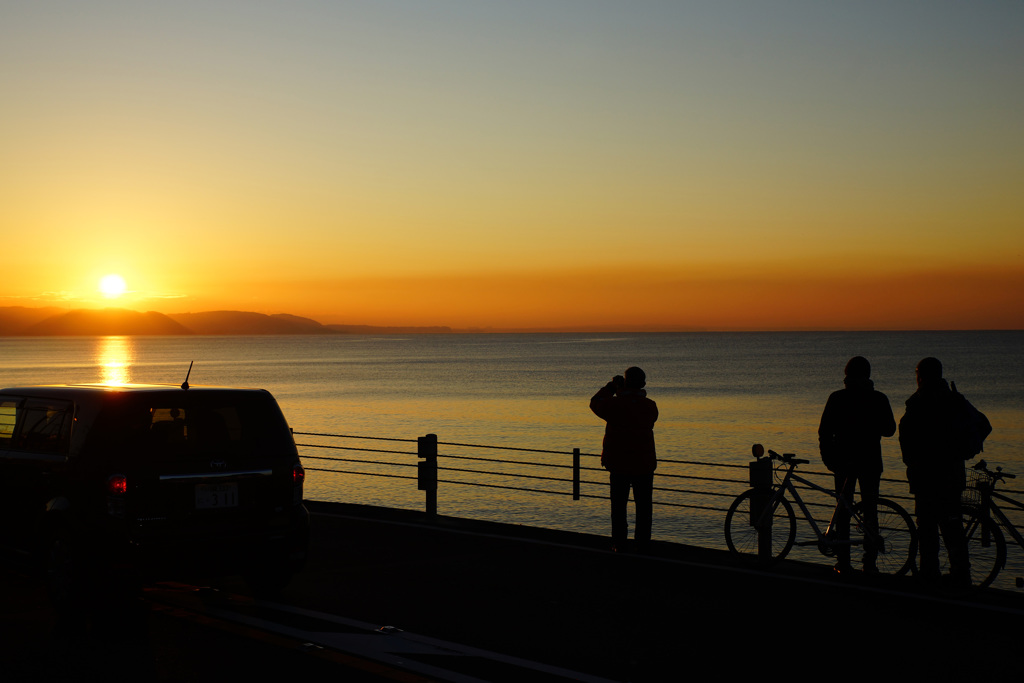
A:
[972,425]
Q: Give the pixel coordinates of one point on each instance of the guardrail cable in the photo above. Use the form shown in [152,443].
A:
[719,487]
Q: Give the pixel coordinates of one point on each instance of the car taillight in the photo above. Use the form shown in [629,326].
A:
[298,475]
[117,485]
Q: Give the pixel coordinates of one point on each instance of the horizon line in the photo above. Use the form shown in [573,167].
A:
[438,328]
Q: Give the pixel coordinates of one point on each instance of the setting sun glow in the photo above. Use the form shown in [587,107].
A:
[647,166]
[112,286]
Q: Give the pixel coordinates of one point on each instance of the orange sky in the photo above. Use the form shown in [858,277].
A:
[566,165]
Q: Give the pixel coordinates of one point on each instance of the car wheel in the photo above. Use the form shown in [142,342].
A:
[64,572]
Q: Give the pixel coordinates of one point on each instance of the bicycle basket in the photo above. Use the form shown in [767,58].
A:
[976,481]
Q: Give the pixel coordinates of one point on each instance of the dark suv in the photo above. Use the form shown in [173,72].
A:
[150,482]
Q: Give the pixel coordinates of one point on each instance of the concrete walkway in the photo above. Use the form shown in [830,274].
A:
[559,599]
[564,599]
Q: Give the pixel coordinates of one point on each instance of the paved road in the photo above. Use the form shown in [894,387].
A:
[505,603]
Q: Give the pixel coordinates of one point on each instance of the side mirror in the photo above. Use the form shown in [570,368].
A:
[758,450]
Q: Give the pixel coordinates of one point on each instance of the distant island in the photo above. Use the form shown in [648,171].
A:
[51,322]
[23,321]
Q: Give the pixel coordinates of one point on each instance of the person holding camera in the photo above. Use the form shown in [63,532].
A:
[628,452]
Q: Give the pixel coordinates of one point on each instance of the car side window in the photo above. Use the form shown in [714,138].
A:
[36,425]
[8,418]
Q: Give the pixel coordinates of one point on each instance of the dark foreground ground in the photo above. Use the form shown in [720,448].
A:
[558,598]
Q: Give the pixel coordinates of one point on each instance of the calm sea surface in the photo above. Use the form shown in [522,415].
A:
[718,393]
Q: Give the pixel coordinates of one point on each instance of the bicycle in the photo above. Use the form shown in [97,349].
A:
[986,542]
[761,524]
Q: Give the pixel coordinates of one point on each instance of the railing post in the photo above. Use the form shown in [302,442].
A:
[575,474]
[426,470]
[761,481]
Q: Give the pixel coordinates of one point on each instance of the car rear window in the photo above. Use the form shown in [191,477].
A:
[196,424]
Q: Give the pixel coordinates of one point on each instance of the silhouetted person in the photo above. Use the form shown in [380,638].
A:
[935,470]
[628,453]
[852,426]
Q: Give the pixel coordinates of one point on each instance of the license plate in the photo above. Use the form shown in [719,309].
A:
[216,496]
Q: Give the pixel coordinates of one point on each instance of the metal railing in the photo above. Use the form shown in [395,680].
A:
[681,483]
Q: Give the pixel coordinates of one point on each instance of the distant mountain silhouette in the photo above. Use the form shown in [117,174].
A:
[240,322]
[109,321]
[48,322]
[14,319]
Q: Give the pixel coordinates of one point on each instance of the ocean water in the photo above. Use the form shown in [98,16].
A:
[717,393]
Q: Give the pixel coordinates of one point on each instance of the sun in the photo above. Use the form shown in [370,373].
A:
[112,286]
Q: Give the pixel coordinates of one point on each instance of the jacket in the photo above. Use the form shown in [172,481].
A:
[928,439]
[629,433]
[852,426]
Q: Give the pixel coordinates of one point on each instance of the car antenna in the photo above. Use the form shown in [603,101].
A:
[184,385]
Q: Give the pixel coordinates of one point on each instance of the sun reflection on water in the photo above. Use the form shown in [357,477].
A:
[115,356]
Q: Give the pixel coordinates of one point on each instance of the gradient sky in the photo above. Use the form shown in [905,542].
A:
[585,164]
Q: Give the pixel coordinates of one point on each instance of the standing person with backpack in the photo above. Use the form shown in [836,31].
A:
[628,452]
[849,436]
[932,438]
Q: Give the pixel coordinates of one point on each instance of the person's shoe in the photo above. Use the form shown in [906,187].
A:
[843,568]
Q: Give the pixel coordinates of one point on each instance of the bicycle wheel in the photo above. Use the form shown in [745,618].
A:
[742,536]
[986,547]
[888,544]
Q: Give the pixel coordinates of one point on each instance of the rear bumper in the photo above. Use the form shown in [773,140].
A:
[165,551]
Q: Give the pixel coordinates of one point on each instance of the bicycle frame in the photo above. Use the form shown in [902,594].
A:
[761,523]
[1004,521]
[787,485]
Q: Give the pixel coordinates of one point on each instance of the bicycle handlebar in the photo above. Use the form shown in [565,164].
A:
[788,458]
[982,466]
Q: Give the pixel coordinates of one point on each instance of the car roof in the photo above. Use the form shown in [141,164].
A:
[83,390]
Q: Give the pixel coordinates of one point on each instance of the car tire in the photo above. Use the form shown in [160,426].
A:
[65,572]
